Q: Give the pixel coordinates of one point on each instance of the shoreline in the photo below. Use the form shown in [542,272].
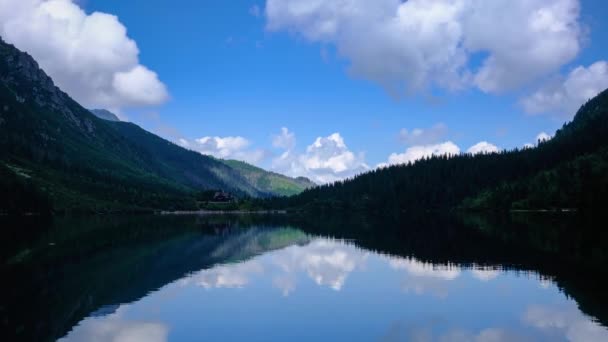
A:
[223,212]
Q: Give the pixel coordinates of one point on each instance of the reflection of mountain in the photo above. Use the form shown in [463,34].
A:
[88,267]
[95,265]
[305,271]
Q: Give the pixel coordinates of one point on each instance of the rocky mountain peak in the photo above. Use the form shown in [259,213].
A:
[23,77]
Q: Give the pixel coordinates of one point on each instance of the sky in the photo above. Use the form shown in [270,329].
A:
[324,89]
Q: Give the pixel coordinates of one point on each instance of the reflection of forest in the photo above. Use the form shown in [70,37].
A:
[569,248]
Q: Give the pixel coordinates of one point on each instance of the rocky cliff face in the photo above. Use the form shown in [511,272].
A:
[30,85]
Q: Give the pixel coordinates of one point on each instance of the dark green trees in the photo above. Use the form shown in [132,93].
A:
[569,171]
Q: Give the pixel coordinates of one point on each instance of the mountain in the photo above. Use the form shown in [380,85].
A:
[105,114]
[269,181]
[53,146]
[131,256]
[568,171]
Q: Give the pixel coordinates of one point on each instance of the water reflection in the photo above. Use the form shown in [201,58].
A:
[114,327]
[209,278]
[522,314]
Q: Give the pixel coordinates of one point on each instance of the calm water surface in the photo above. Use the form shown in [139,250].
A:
[233,279]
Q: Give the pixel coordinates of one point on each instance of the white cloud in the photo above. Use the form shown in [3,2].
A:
[285,139]
[222,147]
[414,44]
[183,142]
[421,277]
[421,136]
[542,136]
[564,96]
[421,269]
[115,327]
[326,262]
[483,147]
[89,56]
[228,276]
[326,160]
[566,321]
[329,153]
[485,273]
[227,148]
[415,153]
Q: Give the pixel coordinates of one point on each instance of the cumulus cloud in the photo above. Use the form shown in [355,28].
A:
[326,262]
[422,269]
[542,136]
[326,160]
[232,147]
[485,273]
[222,147]
[412,45]
[115,327]
[421,277]
[415,153]
[563,96]
[285,139]
[421,136]
[229,276]
[89,56]
[183,142]
[330,153]
[483,147]
[567,322]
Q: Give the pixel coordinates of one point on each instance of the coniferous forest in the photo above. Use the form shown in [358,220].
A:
[58,156]
[569,171]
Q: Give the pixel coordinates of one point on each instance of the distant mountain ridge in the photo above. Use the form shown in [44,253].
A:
[105,114]
[270,181]
[82,162]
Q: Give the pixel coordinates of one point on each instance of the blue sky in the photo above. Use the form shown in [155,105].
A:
[246,69]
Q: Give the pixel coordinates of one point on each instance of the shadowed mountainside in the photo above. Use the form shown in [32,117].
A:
[80,161]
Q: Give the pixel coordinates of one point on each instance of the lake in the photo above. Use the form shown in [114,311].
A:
[520,277]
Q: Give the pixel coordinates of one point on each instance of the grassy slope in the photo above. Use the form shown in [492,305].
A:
[270,182]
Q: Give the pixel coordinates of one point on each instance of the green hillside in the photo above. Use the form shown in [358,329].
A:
[270,182]
[81,162]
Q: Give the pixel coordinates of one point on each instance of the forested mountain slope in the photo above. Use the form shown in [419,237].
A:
[568,171]
[79,161]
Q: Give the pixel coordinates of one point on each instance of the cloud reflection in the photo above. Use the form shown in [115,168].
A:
[229,276]
[116,328]
[565,321]
[328,263]
[484,273]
